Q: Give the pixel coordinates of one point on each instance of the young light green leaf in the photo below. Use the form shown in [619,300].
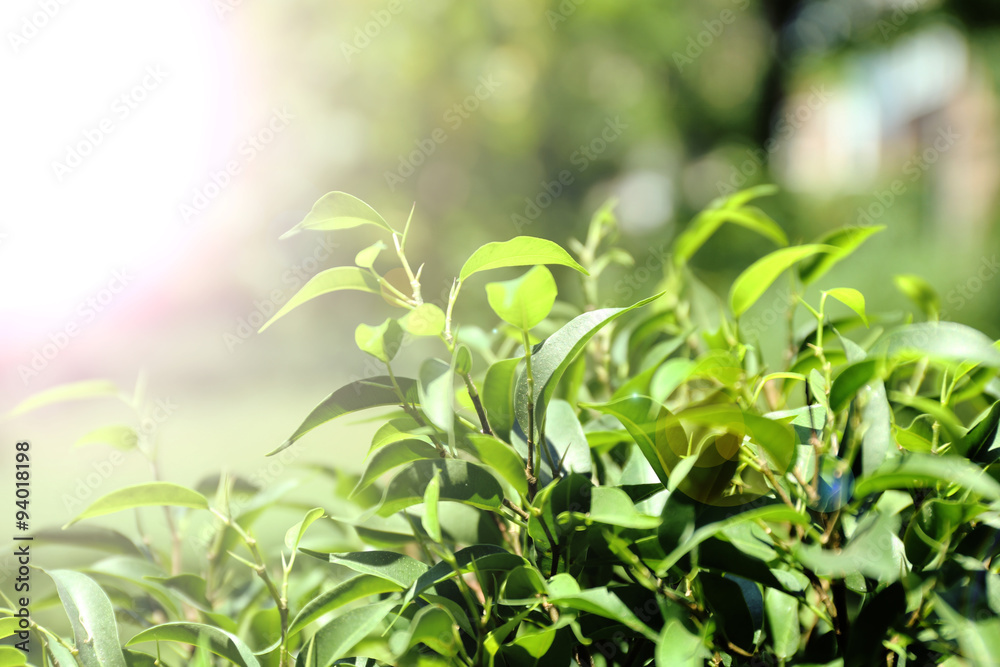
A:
[851,298]
[361,586]
[845,240]
[424,320]
[118,436]
[430,519]
[752,283]
[461,482]
[732,210]
[679,647]
[920,292]
[375,392]
[67,392]
[602,602]
[382,341]
[143,495]
[339,210]
[216,640]
[10,656]
[463,359]
[523,302]
[331,280]
[519,251]
[294,534]
[366,258]
[92,617]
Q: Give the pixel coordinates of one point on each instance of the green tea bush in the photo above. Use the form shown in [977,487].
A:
[570,484]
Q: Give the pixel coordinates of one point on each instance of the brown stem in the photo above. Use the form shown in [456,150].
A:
[474,395]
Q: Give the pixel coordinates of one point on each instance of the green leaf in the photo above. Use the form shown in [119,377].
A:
[339,210]
[67,392]
[679,647]
[876,439]
[392,456]
[90,537]
[336,639]
[775,512]
[463,359]
[640,415]
[366,258]
[612,506]
[294,534]
[851,298]
[430,519]
[920,292]
[979,640]
[424,320]
[755,280]
[11,657]
[9,626]
[382,342]
[361,586]
[942,341]
[737,605]
[437,392]
[498,396]
[602,602]
[523,302]
[332,280]
[729,210]
[219,642]
[846,241]
[361,395]
[916,470]
[120,437]
[143,495]
[461,482]
[981,442]
[400,569]
[553,356]
[501,459]
[850,381]
[434,627]
[565,438]
[190,587]
[92,617]
[478,557]
[783,623]
[519,251]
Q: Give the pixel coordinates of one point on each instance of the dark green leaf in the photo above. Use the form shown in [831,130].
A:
[461,482]
[850,381]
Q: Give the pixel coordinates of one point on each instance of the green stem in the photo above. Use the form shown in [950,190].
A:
[529,471]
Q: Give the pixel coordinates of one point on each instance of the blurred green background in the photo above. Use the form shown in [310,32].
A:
[494,118]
